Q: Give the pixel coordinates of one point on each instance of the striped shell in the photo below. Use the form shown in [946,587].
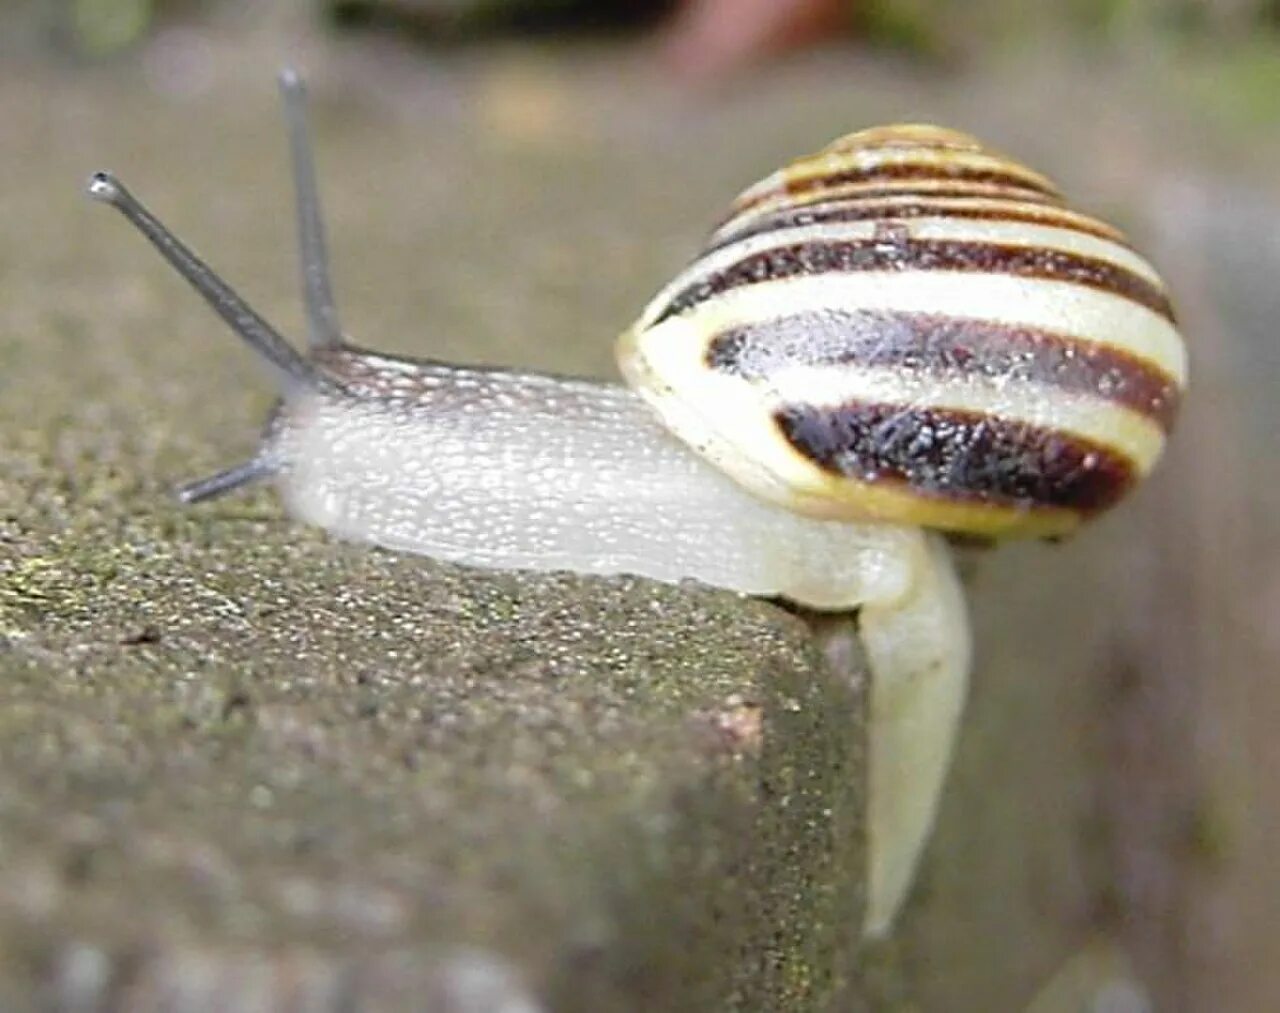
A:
[907,326]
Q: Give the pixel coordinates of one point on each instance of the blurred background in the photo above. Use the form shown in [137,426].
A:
[509,180]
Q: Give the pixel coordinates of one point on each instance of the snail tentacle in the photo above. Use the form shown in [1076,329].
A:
[324,330]
[228,480]
[292,368]
[295,372]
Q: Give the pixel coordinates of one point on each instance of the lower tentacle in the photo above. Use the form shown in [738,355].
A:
[228,480]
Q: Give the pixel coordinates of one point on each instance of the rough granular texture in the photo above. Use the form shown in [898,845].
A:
[242,764]
[238,758]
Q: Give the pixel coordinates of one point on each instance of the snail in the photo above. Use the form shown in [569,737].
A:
[902,337]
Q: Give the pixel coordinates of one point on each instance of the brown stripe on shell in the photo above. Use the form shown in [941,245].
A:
[958,456]
[859,210]
[909,172]
[798,260]
[927,189]
[946,347]
[756,205]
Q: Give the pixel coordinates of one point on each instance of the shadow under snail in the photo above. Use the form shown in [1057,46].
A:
[905,333]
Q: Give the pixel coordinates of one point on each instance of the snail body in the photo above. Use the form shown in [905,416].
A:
[514,470]
[804,400]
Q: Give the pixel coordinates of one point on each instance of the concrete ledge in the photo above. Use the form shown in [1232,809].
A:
[241,764]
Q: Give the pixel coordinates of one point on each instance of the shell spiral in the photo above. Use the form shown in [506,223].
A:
[907,326]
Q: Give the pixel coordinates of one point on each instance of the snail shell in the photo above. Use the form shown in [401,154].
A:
[910,327]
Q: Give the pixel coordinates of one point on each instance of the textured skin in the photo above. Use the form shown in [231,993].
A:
[521,471]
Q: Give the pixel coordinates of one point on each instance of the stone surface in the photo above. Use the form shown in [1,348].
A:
[270,765]
[244,765]
[237,759]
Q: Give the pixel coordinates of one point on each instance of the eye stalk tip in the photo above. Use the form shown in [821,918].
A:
[103,186]
[290,81]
